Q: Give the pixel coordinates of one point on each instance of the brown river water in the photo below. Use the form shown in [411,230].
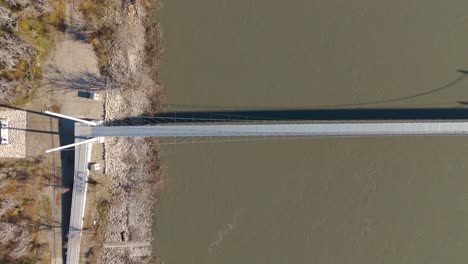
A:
[322,200]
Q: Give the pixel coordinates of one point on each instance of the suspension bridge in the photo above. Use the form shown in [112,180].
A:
[89,132]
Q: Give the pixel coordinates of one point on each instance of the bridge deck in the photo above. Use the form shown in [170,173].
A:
[82,158]
[83,152]
[315,129]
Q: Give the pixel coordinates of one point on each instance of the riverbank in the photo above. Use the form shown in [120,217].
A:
[129,49]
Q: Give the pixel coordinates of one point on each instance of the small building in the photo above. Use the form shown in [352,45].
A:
[13,126]
[4,139]
[94,166]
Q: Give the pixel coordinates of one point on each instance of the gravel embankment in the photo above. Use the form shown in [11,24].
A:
[16,134]
[131,164]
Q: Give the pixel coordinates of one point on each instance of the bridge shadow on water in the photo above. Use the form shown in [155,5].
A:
[307,115]
[337,112]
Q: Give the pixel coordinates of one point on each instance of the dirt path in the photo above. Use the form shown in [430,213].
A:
[68,73]
[70,69]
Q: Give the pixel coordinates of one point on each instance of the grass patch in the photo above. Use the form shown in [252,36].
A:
[56,17]
[34,32]
[40,30]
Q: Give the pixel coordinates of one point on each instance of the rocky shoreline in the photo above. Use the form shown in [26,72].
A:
[136,180]
[129,53]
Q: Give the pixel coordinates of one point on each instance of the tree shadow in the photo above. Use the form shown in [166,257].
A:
[76,31]
[84,80]
[43,224]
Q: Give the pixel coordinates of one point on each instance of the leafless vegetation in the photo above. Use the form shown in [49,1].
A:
[13,51]
[7,19]
[19,3]
[28,30]
[7,90]
[22,211]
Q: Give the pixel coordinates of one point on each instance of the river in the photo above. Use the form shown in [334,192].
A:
[328,200]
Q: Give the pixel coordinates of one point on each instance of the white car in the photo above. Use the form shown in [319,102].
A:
[4,132]
[94,96]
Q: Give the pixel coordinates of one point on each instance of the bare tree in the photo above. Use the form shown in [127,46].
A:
[3,176]
[7,204]
[7,18]
[7,90]
[8,232]
[44,6]
[22,243]
[20,3]
[13,50]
